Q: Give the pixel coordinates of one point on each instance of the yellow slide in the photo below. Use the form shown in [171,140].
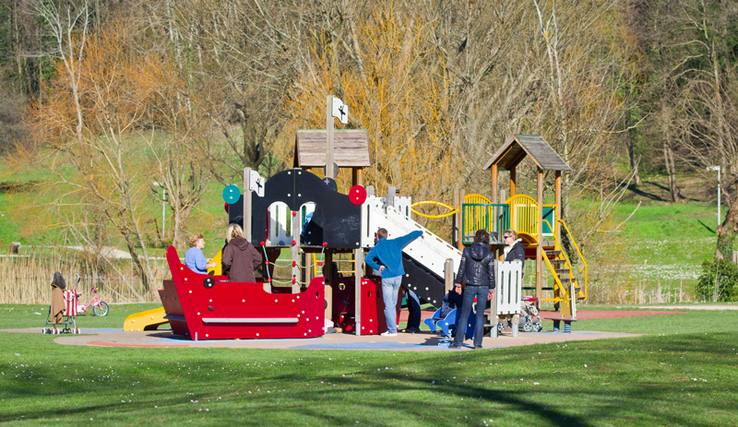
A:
[148,320]
[218,270]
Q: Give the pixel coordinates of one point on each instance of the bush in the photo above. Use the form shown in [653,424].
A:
[720,272]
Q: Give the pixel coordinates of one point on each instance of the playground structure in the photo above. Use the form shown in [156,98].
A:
[304,214]
[540,226]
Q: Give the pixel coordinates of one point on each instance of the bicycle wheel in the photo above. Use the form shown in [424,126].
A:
[101,309]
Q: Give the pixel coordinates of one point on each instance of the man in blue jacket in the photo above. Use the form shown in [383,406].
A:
[386,257]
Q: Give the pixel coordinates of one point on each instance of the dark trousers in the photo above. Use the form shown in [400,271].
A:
[471,291]
[413,308]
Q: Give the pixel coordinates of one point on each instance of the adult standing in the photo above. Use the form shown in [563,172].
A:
[240,257]
[56,313]
[514,249]
[386,257]
[194,258]
[477,270]
[413,311]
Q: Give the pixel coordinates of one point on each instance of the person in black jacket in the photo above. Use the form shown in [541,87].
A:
[514,249]
[477,270]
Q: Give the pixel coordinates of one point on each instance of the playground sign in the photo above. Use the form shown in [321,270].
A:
[256,183]
[340,110]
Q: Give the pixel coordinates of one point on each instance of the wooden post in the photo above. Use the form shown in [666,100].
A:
[295,253]
[539,247]
[557,227]
[357,176]
[246,204]
[448,272]
[493,317]
[513,181]
[455,233]
[358,278]
[460,243]
[494,183]
[329,172]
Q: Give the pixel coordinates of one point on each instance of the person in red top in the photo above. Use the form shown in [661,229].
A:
[240,257]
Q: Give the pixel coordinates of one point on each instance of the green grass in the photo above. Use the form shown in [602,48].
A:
[23,316]
[682,373]
[668,241]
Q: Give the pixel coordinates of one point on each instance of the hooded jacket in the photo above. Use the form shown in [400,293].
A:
[240,259]
[477,266]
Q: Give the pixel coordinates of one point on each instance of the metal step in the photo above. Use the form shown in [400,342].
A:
[563,271]
[552,253]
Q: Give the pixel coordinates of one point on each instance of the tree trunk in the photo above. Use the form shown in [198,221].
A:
[727,232]
[629,140]
[668,156]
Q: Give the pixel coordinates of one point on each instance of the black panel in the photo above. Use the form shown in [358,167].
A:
[336,221]
[418,279]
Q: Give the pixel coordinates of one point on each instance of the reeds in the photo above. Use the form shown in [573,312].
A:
[26,278]
[640,291]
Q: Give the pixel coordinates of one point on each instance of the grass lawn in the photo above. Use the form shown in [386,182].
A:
[683,372]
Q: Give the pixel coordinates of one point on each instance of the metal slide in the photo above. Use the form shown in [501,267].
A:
[424,259]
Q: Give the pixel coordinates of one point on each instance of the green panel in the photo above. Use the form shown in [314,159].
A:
[549,214]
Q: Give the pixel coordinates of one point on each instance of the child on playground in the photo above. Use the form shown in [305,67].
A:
[194,258]
[451,300]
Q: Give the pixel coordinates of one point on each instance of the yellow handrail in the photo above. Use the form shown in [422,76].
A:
[476,199]
[551,267]
[431,202]
[586,271]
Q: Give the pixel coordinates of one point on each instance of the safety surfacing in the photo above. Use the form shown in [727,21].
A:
[424,341]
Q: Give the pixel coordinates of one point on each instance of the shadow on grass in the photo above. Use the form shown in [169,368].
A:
[631,381]
[711,230]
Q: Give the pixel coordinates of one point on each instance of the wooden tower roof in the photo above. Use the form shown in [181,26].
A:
[350,148]
[517,147]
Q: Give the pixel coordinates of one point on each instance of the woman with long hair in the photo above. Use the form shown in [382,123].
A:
[240,257]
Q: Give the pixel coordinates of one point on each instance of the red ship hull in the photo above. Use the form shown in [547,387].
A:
[218,309]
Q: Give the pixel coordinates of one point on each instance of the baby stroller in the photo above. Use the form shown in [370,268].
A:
[63,308]
[528,311]
[526,322]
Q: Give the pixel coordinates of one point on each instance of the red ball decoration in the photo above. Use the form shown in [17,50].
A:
[294,243]
[325,244]
[357,194]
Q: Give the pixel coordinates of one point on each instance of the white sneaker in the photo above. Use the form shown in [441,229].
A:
[388,334]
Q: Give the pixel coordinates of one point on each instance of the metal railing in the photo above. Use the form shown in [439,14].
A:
[493,217]
[524,214]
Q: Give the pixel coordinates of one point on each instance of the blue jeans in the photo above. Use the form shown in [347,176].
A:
[470,292]
[390,289]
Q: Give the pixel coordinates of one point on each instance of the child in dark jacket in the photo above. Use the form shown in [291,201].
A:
[452,300]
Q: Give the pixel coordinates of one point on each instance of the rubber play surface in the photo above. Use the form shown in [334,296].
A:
[424,341]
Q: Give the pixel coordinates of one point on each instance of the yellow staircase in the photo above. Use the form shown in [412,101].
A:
[570,284]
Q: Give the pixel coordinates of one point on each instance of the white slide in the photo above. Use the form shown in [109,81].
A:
[431,252]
